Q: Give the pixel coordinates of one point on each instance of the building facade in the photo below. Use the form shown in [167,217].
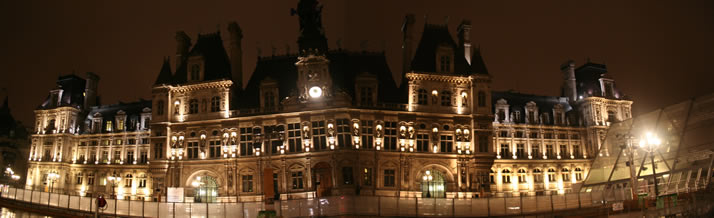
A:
[322,122]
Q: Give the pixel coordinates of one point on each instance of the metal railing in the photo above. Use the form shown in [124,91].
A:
[322,206]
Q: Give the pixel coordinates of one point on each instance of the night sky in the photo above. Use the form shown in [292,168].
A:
[659,52]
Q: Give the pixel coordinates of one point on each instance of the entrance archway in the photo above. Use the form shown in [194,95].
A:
[322,178]
[433,184]
[205,189]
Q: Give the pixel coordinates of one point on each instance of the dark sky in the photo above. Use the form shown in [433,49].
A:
[659,52]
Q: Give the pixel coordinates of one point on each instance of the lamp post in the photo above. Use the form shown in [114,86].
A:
[113,180]
[650,143]
[15,178]
[53,177]
[427,178]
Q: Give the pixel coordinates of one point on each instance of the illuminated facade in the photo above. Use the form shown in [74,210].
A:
[320,122]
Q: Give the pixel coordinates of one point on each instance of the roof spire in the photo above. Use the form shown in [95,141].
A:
[312,34]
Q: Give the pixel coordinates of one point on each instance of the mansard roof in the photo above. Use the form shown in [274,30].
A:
[478,66]
[344,67]
[132,110]
[216,62]
[518,101]
[432,38]
[7,122]
[165,76]
[72,87]
[588,78]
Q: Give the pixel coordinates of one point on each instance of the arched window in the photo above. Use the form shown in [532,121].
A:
[551,175]
[566,174]
[578,174]
[127,180]
[445,98]
[506,176]
[521,175]
[215,104]
[160,107]
[421,97]
[491,175]
[537,175]
[481,99]
[193,106]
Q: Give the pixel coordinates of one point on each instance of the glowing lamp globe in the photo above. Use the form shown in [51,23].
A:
[315,92]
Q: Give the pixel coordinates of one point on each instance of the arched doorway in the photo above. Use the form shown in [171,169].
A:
[322,178]
[433,184]
[205,189]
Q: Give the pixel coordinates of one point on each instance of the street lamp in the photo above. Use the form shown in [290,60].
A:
[53,177]
[650,143]
[113,180]
[428,178]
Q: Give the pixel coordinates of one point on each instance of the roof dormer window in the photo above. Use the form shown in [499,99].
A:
[445,59]
[195,70]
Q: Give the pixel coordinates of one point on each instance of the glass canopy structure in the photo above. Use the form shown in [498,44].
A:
[679,139]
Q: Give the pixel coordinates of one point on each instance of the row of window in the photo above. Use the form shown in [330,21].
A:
[104,159]
[422,98]
[193,106]
[115,142]
[536,151]
[537,175]
[535,134]
[296,180]
[531,118]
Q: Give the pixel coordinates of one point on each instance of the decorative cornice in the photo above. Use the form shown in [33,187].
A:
[441,78]
[199,86]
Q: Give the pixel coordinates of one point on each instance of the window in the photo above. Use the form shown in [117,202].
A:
[215,104]
[535,150]
[269,101]
[193,106]
[520,150]
[127,180]
[131,142]
[549,151]
[611,117]
[481,99]
[160,107]
[504,150]
[566,174]
[214,148]
[90,179]
[142,181]
[367,177]
[158,150]
[422,142]
[519,134]
[117,157]
[506,176]
[517,116]
[143,157]
[551,175]
[491,177]
[445,63]
[109,126]
[129,157]
[522,176]
[246,141]
[482,143]
[105,156]
[367,131]
[120,125]
[503,133]
[294,139]
[533,135]
[537,175]
[79,178]
[347,176]
[297,180]
[422,97]
[145,141]
[447,143]
[344,139]
[445,98]
[390,136]
[192,150]
[389,176]
[366,96]
[576,151]
[501,115]
[578,174]
[558,118]
[319,139]
[563,151]
[531,117]
[247,181]
[195,68]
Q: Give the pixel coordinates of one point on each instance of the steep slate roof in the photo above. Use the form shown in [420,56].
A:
[432,37]
[7,122]
[517,102]
[216,62]
[587,78]
[344,67]
[72,95]
[478,66]
[132,110]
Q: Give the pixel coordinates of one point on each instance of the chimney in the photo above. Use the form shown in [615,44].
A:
[90,90]
[569,89]
[183,43]
[464,34]
[236,54]
[407,35]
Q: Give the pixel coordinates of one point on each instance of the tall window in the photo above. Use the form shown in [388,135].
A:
[194,71]
[215,104]
[318,135]
[611,117]
[422,142]
[522,176]
[481,99]
[549,151]
[367,131]
[482,143]
[578,174]
[90,179]
[158,150]
[535,150]
[214,148]
[193,106]
[564,151]
[366,96]
[297,180]
[79,178]
[367,177]
[128,180]
[344,139]
[390,136]
[109,126]
[269,100]
[531,117]
[192,150]
[117,157]
[389,176]
[247,181]
[520,150]
[294,139]
[445,98]
[347,176]
[160,107]
[566,174]
[120,125]
[143,157]
[551,175]
[246,141]
[576,151]
[422,97]
[506,176]
[445,63]
[504,150]
[537,175]
[447,144]
[142,181]
[129,157]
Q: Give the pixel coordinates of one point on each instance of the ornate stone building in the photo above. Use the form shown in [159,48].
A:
[316,123]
